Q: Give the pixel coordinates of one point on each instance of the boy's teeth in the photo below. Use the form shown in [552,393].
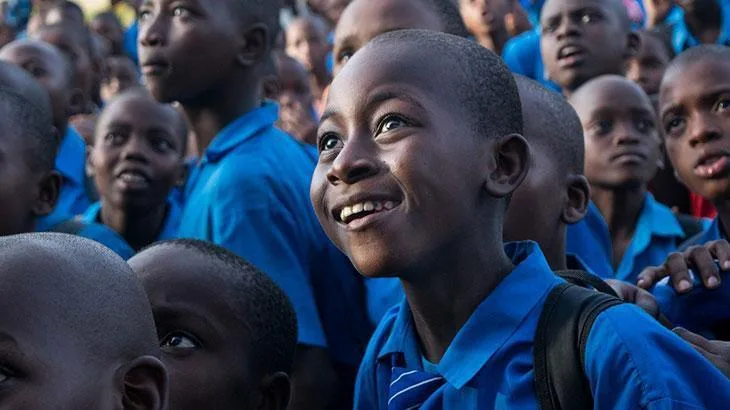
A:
[367,206]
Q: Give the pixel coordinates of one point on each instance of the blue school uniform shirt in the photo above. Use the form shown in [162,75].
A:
[250,194]
[631,361]
[521,55]
[130,42]
[96,232]
[713,232]
[657,234]
[71,164]
[702,310]
[169,227]
[682,38]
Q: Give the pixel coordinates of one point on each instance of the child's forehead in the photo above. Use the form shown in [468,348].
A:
[554,8]
[387,15]
[695,78]
[610,94]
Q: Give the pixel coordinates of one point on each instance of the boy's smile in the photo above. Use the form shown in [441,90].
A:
[695,115]
[398,178]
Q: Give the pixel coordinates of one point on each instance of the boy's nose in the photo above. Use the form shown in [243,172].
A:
[353,163]
[703,129]
[151,33]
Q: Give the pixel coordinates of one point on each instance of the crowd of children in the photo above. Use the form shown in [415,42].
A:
[373,204]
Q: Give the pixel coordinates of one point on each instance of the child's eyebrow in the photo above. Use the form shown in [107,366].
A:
[381,97]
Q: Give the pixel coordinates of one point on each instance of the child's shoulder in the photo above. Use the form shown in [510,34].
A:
[639,363]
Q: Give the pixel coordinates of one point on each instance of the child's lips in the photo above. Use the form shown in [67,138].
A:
[713,167]
[155,69]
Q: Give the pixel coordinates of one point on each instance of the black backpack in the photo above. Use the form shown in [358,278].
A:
[560,340]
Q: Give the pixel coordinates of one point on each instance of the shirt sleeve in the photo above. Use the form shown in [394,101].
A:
[250,221]
[633,363]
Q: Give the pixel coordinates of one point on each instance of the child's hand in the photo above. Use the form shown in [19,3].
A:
[297,120]
[702,259]
[635,295]
[717,352]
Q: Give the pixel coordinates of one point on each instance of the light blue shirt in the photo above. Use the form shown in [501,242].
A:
[522,56]
[682,38]
[169,227]
[250,194]
[631,361]
[657,234]
[71,164]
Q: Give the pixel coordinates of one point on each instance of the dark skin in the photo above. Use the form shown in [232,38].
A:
[381,145]
[364,20]
[70,42]
[47,358]
[109,27]
[202,54]
[584,39]
[47,65]
[622,152]
[703,18]
[121,76]
[329,9]
[295,100]
[485,20]
[203,335]
[306,41]
[137,158]
[647,68]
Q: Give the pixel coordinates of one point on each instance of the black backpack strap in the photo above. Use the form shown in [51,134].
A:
[690,226]
[70,226]
[560,341]
[586,280]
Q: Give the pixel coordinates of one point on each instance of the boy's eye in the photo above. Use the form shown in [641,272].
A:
[180,12]
[328,142]
[645,126]
[604,126]
[390,123]
[179,341]
[672,124]
[144,15]
[588,18]
[344,56]
[723,105]
[114,138]
[161,145]
[5,375]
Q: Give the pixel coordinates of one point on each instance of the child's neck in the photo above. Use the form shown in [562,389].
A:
[554,250]
[139,229]
[211,113]
[444,291]
[621,209]
[494,41]
[705,24]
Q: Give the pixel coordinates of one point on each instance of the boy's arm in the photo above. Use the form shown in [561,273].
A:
[633,362]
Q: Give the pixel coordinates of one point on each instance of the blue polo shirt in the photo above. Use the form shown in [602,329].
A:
[250,194]
[94,231]
[522,55]
[130,42]
[169,227]
[630,360]
[713,232]
[71,164]
[682,38]
[657,234]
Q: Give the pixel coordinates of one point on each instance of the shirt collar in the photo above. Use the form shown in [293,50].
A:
[491,324]
[658,219]
[70,158]
[682,39]
[240,130]
[169,227]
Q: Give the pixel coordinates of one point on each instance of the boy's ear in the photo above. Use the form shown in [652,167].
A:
[48,191]
[633,44]
[512,162]
[275,391]
[76,101]
[254,45]
[145,384]
[577,200]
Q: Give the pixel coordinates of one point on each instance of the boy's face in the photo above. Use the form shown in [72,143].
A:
[70,44]
[397,177]
[583,39]
[202,335]
[110,30]
[186,51]
[647,68]
[484,17]
[121,76]
[364,20]
[137,153]
[307,44]
[48,67]
[695,115]
[622,140]
[43,364]
[293,84]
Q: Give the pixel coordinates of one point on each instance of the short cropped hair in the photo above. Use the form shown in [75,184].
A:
[479,77]
[699,53]
[450,16]
[551,122]
[263,305]
[31,126]
[264,11]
